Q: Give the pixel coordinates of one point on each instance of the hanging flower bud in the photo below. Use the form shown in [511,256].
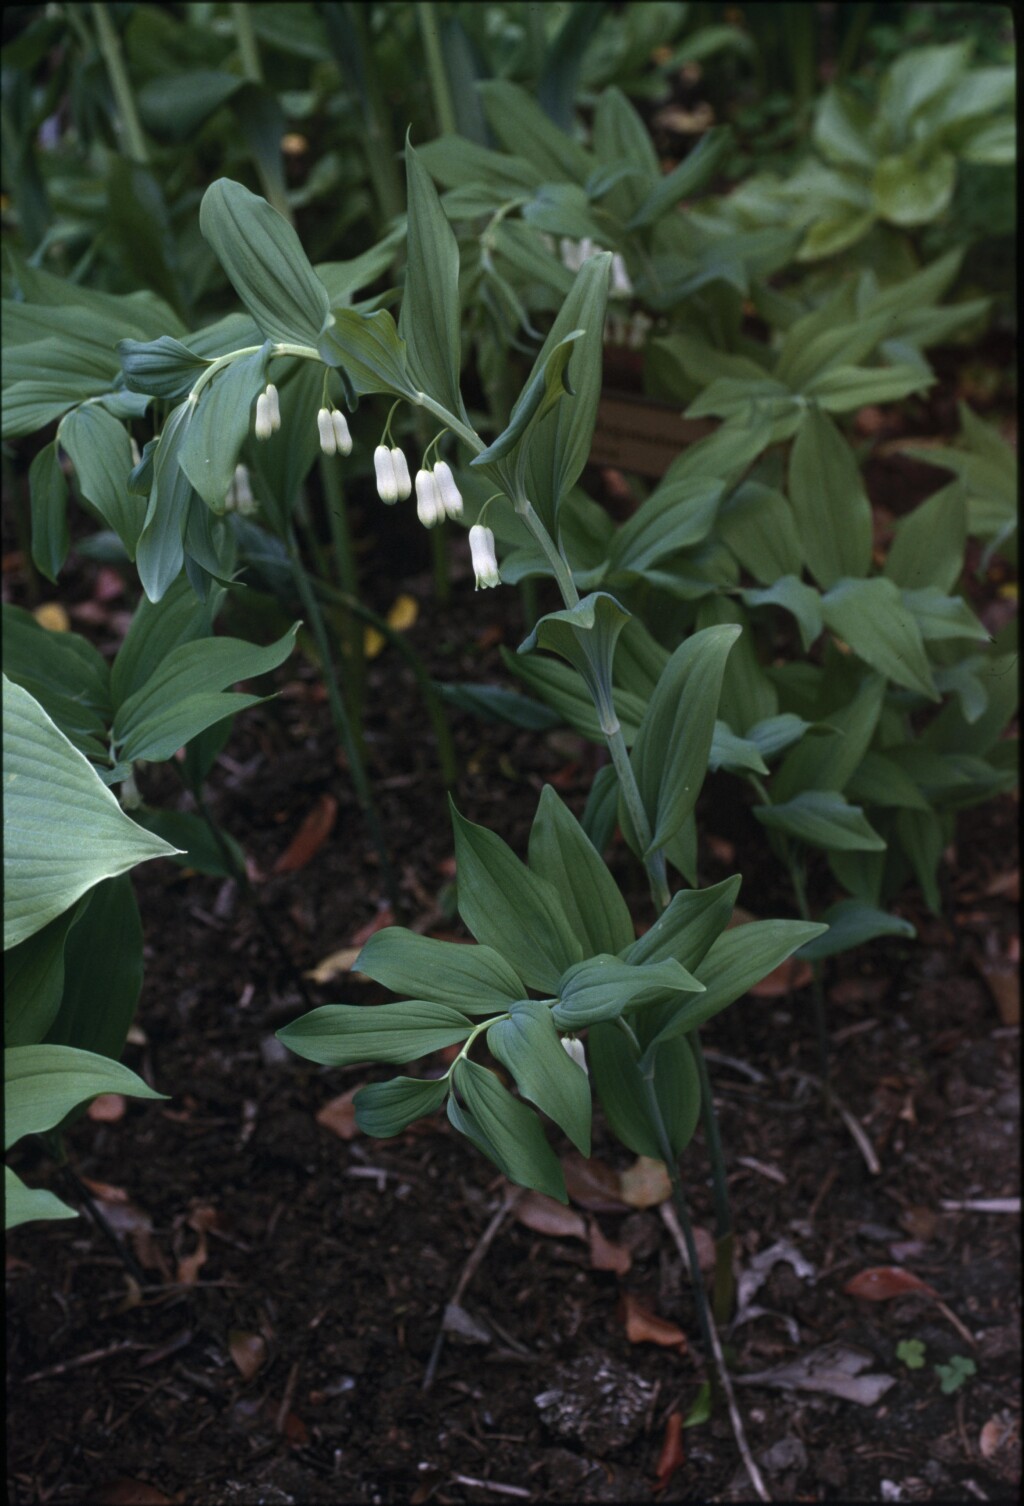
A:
[342,434]
[575,1050]
[274,407]
[429,507]
[239,496]
[402,476]
[485,561]
[621,280]
[328,439]
[264,426]
[387,481]
[451,497]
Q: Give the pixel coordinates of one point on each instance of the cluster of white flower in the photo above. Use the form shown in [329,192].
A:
[268,412]
[575,253]
[631,331]
[335,438]
[393,481]
[437,496]
[239,497]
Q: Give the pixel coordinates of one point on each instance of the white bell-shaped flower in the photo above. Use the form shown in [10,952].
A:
[451,497]
[273,407]
[387,481]
[575,1050]
[264,424]
[429,507]
[402,477]
[342,434]
[328,438]
[621,280]
[485,561]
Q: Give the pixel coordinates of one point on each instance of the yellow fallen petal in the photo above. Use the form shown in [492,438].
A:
[403,613]
[52,616]
[373,642]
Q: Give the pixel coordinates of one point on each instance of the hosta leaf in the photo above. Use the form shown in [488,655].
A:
[63,829]
[42,1084]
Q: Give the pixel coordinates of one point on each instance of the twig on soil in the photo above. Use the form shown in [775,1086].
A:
[744,1068]
[981,1205]
[287,1398]
[668,1215]
[493,1485]
[469,1270]
[82,1360]
[856,1129]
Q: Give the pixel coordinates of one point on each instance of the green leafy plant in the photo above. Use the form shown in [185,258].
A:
[911,1352]
[955,1374]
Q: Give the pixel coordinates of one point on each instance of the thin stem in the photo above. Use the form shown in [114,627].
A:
[248,51]
[340,716]
[113,57]
[440,89]
[345,566]
[555,557]
[725,1286]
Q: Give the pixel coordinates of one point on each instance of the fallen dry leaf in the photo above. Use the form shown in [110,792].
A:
[334,965]
[673,1455]
[994,1434]
[384,917]
[880,1282]
[645,1184]
[248,1350]
[832,1370]
[605,1254]
[1003,979]
[593,1185]
[310,837]
[544,1215]
[785,979]
[108,1108]
[105,1191]
[189,1266]
[52,616]
[646,1327]
[339,1115]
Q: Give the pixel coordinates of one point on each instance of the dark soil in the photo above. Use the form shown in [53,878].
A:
[288,1364]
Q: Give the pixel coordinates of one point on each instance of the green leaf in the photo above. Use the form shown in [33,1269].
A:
[828,759]
[756,522]
[602,987]
[941,617]
[738,755]
[560,443]
[923,839]
[156,629]
[870,616]
[369,349]
[473,979]
[160,551]
[23,1204]
[619,1084]
[842,130]
[44,1083]
[512,1132]
[742,957]
[385,1108]
[562,853]
[220,425]
[430,319]
[833,515]
[34,981]
[837,231]
[63,829]
[527,1045]
[601,810]
[340,1035]
[796,597]
[677,515]
[523,129]
[548,383]
[620,136]
[670,755]
[101,454]
[265,263]
[507,907]
[692,921]
[911,190]
[199,847]
[586,635]
[102,972]
[691,174]
[185,694]
[561,688]
[65,674]
[459,163]
[777,733]
[822,818]
[49,499]
[928,549]
[879,780]
[163,368]
[851,923]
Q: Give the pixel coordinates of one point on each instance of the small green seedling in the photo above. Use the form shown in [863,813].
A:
[911,1353]
[953,1375]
